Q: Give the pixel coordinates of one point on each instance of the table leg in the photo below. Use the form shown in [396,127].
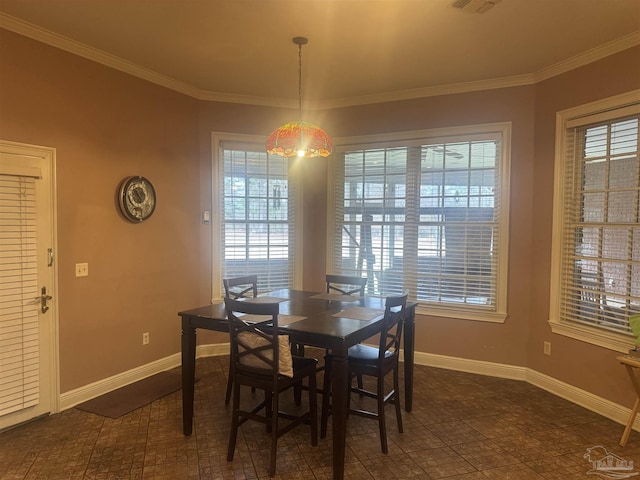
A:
[632,417]
[409,349]
[339,403]
[188,375]
[634,410]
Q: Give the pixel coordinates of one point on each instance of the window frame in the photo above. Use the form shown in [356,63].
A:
[439,135]
[217,219]
[609,108]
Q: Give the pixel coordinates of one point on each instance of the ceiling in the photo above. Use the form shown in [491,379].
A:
[359,51]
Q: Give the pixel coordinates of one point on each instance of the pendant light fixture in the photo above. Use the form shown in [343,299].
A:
[302,139]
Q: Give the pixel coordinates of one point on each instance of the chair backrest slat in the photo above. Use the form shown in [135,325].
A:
[239,287]
[394,309]
[345,284]
[254,342]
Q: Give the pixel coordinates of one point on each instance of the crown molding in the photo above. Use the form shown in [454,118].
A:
[40,34]
[80,49]
[247,99]
[434,91]
[590,56]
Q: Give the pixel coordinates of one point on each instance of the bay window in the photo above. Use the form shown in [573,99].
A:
[256,220]
[596,262]
[428,212]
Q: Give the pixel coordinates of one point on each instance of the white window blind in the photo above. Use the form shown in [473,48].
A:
[257,234]
[425,217]
[19,361]
[600,277]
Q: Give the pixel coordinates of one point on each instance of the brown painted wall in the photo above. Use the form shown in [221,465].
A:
[106,125]
[586,366]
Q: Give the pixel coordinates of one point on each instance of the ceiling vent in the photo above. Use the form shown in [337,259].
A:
[475,6]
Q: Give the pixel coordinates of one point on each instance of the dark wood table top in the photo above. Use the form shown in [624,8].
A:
[321,327]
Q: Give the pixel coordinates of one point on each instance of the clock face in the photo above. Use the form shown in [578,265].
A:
[137,198]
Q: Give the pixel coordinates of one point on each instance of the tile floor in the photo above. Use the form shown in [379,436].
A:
[462,427]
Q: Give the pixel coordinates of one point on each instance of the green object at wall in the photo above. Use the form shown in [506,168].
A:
[634,323]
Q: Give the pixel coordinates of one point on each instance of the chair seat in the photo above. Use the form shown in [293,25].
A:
[365,354]
[302,367]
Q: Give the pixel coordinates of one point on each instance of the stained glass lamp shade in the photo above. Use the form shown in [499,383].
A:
[302,139]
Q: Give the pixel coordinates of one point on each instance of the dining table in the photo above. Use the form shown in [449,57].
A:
[327,321]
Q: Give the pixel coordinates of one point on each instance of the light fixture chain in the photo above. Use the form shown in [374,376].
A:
[300,79]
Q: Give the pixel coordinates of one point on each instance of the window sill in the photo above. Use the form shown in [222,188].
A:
[463,314]
[613,341]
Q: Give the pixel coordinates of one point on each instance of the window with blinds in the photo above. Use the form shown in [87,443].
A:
[600,267]
[426,216]
[19,360]
[257,231]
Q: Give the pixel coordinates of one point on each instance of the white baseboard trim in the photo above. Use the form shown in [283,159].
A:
[592,402]
[74,397]
[471,366]
[212,350]
[585,399]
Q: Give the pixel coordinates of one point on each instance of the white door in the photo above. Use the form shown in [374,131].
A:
[28,379]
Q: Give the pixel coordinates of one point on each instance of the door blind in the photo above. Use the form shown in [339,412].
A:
[19,362]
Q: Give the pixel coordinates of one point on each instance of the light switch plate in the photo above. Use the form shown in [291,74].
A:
[82,269]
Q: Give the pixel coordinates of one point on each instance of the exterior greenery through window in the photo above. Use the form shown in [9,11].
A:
[428,215]
[599,275]
[257,231]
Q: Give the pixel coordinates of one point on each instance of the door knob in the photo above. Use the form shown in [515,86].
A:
[43,300]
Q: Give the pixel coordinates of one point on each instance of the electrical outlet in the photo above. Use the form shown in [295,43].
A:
[82,269]
[145,338]
[547,348]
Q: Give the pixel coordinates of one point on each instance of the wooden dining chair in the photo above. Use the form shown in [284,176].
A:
[365,360]
[236,288]
[241,287]
[345,284]
[262,360]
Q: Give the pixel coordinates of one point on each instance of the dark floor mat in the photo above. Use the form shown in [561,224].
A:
[126,399]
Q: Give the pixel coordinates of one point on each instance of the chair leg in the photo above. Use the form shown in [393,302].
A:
[396,399]
[313,409]
[298,350]
[326,397]
[297,393]
[274,432]
[268,409]
[381,418]
[360,385]
[233,434]
[227,396]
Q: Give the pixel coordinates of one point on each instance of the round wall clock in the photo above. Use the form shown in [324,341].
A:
[137,198]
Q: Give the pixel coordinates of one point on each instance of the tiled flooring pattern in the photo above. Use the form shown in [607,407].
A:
[462,427]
